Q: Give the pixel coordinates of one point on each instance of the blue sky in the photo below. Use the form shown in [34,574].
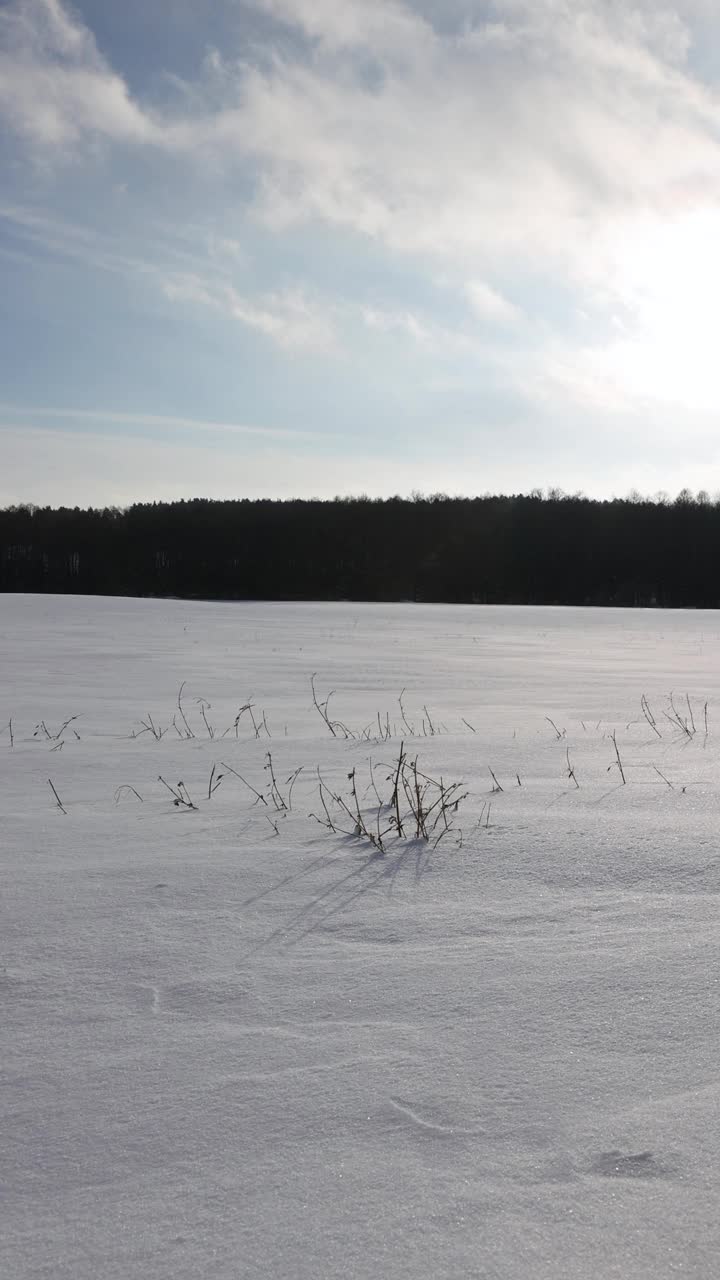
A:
[296,247]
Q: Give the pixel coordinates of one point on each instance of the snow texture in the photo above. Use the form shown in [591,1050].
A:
[237,1044]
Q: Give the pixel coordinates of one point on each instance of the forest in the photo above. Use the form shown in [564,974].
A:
[548,548]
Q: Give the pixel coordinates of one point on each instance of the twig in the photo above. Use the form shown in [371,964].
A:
[214,782]
[249,786]
[236,722]
[291,783]
[395,798]
[570,769]
[689,707]
[126,787]
[180,795]
[275,795]
[323,789]
[149,727]
[208,726]
[384,731]
[676,718]
[64,726]
[410,728]
[649,715]
[188,731]
[618,760]
[60,804]
[321,708]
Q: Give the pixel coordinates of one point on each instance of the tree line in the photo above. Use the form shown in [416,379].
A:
[506,549]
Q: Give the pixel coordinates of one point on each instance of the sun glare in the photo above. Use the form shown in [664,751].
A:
[668,285]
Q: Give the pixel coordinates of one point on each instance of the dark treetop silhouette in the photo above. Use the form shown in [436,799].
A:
[535,549]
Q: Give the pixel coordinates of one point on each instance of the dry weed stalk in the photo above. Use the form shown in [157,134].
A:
[645,705]
[617,762]
[558,733]
[336,727]
[214,782]
[125,788]
[259,797]
[419,806]
[58,801]
[570,768]
[41,730]
[179,793]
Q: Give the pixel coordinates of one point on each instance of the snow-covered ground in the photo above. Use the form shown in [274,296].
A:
[236,1043]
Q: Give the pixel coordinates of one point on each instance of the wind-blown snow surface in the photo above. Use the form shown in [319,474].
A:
[230,1053]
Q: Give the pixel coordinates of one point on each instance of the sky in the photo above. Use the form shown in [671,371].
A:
[315,247]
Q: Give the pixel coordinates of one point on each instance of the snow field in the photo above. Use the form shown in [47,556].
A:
[229,1052]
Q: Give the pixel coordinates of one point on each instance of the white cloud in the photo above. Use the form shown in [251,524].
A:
[342,25]
[423,330]
[538,139]
[514,139]
[146,422]
[54,85]
[469,147]
[289,317]
[491,305]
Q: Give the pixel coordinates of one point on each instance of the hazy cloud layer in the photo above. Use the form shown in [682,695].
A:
[471,220]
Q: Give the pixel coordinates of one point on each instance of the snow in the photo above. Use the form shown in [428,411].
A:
[227,1052]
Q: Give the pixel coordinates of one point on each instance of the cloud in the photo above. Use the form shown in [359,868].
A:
[470,145]
[55,88]
[339,25]
[514,136]
[491,306]
[146,423]
[290,318]
[382,320]
[66,239]
[522,149]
